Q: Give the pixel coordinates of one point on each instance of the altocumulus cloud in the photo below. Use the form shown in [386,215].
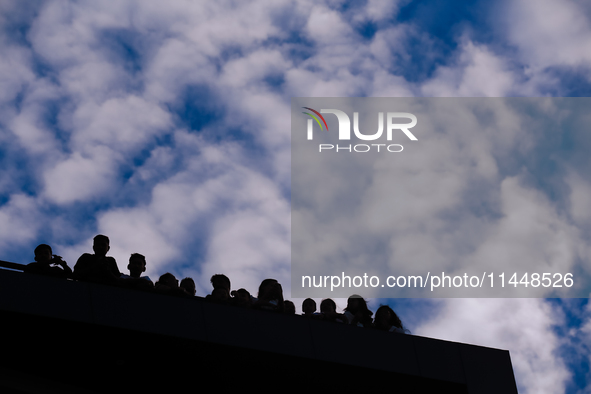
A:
[166,126]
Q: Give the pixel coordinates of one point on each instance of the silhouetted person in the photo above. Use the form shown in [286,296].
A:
[221,289]
[328,312]
[136,266]
[168,284]
[308,307]
[220,281]
[188,285]
[357,312]
[387,320]
[97,267]
[289,307]
[46,263]
[241,297]
[270,297]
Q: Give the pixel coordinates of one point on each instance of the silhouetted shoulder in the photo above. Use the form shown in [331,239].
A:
[45,269]
[93,268]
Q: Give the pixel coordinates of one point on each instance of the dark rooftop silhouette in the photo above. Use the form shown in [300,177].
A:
[71,336]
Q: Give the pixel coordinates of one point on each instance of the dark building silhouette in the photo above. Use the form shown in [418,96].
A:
[66,336]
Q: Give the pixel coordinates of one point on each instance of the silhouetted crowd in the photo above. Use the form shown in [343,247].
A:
[100,268]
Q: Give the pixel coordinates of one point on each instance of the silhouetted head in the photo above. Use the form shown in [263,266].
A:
[270,296]
[189,285]
[137,265]
[220,281]
[43,253]
[270,289]
[328,306]
[386,318]
[289,307]
[356,304]
[242,296]
[169,280]
[308,306]
[101,245]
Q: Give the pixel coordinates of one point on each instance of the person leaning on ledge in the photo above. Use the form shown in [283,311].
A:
[97,267]
[46,263]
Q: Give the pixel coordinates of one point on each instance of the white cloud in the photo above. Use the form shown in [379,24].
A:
[378,10]
[584,334]
[522,326]
[253,68]
[250,246]
[20,221]
[530,234]
[15,71]
[579,198]
[123,124]
[82,177]
[176,65]
[327,28]
[33,136]
[478,73]
[549,32]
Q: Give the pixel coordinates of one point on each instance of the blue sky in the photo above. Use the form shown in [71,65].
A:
[166,127]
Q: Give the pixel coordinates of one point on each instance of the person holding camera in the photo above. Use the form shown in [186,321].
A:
[46,263]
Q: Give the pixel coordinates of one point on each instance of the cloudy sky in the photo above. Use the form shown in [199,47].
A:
[166,126]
